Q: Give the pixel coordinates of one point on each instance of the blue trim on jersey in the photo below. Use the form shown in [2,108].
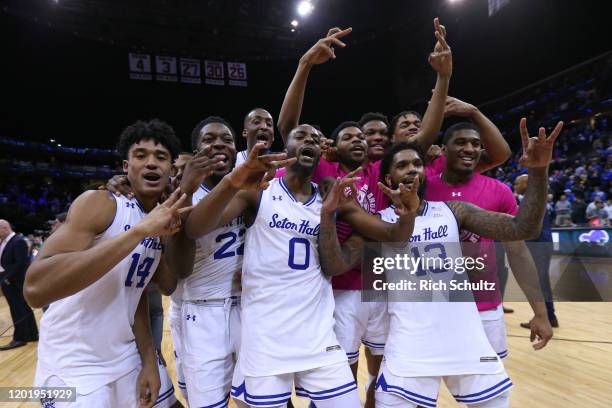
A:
[245,156]
[248,398]
[503,354]
[326,391]
[325,397]
[310,200]
[221,404]
[165,396]
[488,393]
[284,187]
[203,187]
[404,393]
[373,345]
[422,214]
[454,216]
[256,210]
[314,195]
[487,397]
[425,208]
[139,205]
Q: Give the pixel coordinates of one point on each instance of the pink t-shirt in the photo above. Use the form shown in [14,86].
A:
[486,193]
[368,196]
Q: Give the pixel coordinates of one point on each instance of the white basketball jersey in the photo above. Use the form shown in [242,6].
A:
[176,301]
[241,157]
[86,339]
[287,302]
[436,338]
[218,259]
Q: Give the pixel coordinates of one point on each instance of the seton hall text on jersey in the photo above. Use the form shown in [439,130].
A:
[152,243]
[429,235]
[303,227]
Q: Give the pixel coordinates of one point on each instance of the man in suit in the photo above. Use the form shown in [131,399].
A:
[13,264]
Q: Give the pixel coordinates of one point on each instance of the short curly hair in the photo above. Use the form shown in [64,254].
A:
[370,116]
[154,129]
[387,160]
[341,127]
[195,133]
[397,117]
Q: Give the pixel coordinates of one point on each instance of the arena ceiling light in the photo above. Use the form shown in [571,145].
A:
[294,23]
[304,8]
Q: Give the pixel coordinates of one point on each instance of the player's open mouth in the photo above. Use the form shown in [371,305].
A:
[152,179]
[263,137]
[408,181]
[307,153]
[357,149]
[224,158]
[378,147]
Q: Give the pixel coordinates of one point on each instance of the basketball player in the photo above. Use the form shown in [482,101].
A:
[96,335]
[458,181]
[258,127]
[176,298]
[358,322]
[375,127]
[495,150]
[434,341]
[211,298]
[281,272]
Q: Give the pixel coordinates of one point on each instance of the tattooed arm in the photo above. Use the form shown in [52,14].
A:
[336,259]
[503,227]
[537,154]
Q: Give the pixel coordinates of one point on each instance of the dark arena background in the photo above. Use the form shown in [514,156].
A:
[75,73]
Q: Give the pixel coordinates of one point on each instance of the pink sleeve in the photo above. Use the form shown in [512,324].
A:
[507,200]
[323,169]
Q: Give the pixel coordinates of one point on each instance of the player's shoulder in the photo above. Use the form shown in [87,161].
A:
[491,182]
[98,198]
[93,207]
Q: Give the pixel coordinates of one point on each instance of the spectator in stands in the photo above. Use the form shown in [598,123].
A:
[569,194]
[608,208]
[562,210]
[593,204]
[598,193]
[14,262]
[579,210]
[598,216]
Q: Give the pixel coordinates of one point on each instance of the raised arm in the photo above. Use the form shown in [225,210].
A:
[524,270]
[68,263]
[368,225]
[336,258]
[537,154]
[441,60]
[496,149]
[180,249]
[226,201]
[320,53]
